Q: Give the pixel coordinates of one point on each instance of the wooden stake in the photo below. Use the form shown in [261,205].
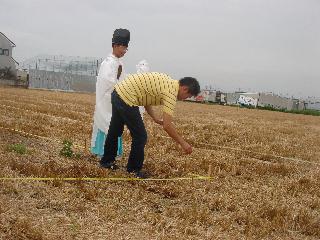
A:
[210,170]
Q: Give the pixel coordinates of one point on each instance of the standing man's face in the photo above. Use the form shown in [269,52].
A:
[119,50]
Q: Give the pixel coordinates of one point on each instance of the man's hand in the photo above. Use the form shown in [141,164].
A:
[186,148]
[170,129]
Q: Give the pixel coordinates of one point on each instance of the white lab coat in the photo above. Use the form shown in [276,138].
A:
[142,67]
[106,79]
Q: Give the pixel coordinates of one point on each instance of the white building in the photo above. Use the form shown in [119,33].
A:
[278,102]
[313,104]
[244,97]
[7,63]
[265,100]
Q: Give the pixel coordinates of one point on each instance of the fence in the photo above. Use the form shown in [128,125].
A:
[66,73]
[61,81]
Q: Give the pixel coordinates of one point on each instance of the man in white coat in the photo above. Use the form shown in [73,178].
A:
[110,72]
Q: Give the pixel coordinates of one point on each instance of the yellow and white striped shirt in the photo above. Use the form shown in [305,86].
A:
[152,88]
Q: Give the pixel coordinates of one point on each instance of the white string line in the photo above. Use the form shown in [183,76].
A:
[45,114]
[38,136]
[46,100]
[204,144]
[81,113]
[249,151]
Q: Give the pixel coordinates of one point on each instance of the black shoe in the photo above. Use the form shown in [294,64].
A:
[109,165]
[139,174]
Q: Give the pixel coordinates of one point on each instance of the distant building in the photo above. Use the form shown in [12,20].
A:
[245,98]
[264,100]
[247,101]
[278,102]
[204,96]
[298,104]
[274,101]
[220,97]
[313,104]
[88,66]
[7,63]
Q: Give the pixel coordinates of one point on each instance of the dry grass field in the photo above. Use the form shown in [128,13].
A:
[254,193]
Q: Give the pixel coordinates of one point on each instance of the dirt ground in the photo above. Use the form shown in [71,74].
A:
[265,174]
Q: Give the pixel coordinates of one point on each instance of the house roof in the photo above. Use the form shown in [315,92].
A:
[15,61]
[13,45]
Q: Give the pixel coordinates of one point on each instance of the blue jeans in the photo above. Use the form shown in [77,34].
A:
[123,114]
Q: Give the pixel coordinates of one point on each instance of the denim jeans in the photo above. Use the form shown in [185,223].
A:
[123,114]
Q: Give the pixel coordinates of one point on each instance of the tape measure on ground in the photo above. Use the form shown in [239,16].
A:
[110,179]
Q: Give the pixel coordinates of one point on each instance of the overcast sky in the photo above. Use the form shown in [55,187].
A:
[254,45]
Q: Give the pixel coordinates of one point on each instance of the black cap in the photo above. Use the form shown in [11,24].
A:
[121,37]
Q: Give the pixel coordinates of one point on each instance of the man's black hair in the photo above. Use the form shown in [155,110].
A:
[118,44]
[192,84]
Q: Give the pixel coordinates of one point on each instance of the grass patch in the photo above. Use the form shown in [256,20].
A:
[67,151]
[18,148]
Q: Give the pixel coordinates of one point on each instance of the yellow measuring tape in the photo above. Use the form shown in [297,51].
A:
[194,177]
[111,179]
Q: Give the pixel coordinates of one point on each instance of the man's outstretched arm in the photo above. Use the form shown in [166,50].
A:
[170,129]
